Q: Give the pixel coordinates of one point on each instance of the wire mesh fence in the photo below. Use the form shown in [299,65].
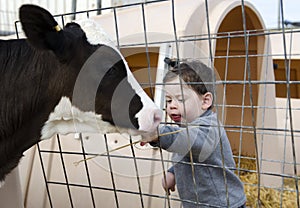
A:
[258,105]
[9,10]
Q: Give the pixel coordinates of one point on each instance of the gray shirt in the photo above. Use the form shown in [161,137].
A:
[203,182]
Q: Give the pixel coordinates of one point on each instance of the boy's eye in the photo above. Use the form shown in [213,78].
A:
[176,100]
[168,100]
[180,99]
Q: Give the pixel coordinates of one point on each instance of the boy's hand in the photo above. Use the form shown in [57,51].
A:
[169,183]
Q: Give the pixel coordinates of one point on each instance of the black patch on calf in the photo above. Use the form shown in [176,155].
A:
[26,98]
[102,87]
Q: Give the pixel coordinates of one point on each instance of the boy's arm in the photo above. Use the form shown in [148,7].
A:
[171,170]
[165,137]
[201,140]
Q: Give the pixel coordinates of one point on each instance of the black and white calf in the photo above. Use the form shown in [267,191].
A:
[63,81]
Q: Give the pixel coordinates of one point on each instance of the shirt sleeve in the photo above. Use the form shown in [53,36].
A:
[171,170]
[200,137]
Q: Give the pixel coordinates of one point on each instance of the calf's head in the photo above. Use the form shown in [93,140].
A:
[99,93]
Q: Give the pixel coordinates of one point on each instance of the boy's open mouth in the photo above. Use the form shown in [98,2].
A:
[176,117]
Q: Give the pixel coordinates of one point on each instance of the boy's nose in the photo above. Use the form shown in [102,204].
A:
[173,104]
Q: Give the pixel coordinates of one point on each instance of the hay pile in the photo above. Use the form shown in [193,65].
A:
[270,198]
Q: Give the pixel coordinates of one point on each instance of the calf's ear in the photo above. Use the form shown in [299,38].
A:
[40,27]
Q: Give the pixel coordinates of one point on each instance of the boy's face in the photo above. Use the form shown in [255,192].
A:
[178,100]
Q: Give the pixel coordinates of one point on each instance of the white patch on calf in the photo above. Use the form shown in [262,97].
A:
[67,119]
[94,33]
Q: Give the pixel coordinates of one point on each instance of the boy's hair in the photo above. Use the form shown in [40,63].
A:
[196,74]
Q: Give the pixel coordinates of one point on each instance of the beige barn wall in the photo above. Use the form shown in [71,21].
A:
[285,142]
[123,171]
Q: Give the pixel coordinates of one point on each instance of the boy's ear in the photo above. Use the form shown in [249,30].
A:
[40,27]
[207,100]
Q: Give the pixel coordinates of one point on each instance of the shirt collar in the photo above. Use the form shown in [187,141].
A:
[206,113]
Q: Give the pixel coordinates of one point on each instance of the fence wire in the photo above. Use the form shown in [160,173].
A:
[244,128]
